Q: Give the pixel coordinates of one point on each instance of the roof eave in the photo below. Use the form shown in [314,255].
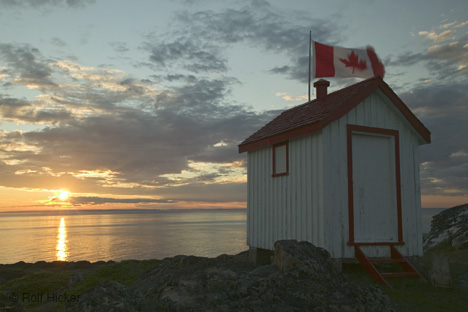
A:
[281,137]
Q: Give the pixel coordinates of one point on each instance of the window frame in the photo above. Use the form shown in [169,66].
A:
[275,174]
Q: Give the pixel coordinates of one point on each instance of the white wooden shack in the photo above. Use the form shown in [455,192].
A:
[339,171]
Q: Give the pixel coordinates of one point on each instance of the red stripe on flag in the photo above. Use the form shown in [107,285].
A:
[323,60]
[377,66]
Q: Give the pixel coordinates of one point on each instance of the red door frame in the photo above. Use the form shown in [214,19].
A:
[381,131]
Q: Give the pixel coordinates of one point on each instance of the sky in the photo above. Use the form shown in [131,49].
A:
[141,104]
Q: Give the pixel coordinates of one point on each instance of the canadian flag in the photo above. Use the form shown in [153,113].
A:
[330,61]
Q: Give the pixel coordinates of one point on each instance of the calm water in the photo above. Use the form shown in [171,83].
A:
[118,235]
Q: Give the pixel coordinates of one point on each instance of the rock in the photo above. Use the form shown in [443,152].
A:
[107,297]
[460,241]
[449,227]
[291,255]
[301,279]
[440,271]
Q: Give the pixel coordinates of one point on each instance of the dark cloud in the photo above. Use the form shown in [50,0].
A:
[58,42]
[43,3]
[257,25]
[444,110]
[29,67]
[120,47]
[441,102]
[445,60]
[20,110]
[192,55]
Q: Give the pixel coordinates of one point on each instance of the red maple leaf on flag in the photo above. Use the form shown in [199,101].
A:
[354,62]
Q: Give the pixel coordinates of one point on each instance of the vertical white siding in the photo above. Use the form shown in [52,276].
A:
[286,207]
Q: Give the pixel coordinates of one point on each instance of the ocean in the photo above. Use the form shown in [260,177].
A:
[126,234]
[120,234]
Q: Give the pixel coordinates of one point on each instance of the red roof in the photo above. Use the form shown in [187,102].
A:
[315,115]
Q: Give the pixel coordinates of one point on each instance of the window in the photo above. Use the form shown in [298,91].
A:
[280,159]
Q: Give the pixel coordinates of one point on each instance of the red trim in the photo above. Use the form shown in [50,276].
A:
[376,244]
[274,159]
[382,131]
[281,137]
[378,83]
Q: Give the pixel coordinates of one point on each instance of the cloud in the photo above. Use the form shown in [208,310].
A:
[257,24]
[442,106]
[444,35]
[445,61]
[30,68]
[194,56]
[173,134]
[21,110]
[43,3]
[104,131]
[287,97]
[120,46]
[434,37]
[443,109]
[58,42]
[446,58]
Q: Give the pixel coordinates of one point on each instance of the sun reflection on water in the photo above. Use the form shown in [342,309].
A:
[62,250]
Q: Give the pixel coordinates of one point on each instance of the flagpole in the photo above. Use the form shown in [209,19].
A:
[310,44]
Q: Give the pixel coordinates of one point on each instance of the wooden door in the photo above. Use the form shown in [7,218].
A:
[374,183]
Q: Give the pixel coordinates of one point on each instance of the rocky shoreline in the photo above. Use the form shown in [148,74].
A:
[449,227]
[300,278]
[297,277]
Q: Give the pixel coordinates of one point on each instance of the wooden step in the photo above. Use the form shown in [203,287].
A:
[396,257]
[400,274]
[387,260]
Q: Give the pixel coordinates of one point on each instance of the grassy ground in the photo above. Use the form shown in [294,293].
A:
[406,294]
[34,286]
[416,295]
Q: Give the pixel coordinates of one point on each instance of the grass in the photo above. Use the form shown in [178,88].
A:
[124,272]
[414,294]
[39,282]
[34,285]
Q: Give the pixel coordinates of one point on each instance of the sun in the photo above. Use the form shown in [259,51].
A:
[63,195]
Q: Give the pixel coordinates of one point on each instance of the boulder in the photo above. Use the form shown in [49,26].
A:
[291,255]
[449,227]
[301,279]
